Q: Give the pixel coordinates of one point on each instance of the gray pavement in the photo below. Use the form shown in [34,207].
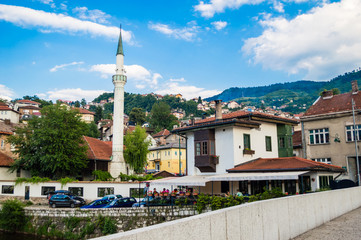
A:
[345,227]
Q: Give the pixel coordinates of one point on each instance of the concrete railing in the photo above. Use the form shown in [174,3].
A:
[282,218]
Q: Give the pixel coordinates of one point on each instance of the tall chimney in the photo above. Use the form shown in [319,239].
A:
[218,109]
[354,87]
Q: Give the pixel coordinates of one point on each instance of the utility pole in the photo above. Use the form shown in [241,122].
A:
[355,139]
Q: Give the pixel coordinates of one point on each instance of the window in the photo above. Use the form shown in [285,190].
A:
[323,160]
[168,164]
[47,190]
[2,144]
[76,191]
[175,153]
[246,141]
[18,172]
[350,133]
[268,144]
[105,191]
[319,136]
[198,148]
[157,166]
[325,181]
[204,148]
[282,142]
[7,189]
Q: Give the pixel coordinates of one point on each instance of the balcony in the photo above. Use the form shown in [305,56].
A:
[206,163]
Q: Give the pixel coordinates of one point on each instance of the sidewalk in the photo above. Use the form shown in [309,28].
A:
[344,227]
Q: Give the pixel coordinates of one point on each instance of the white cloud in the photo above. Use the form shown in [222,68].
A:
[51,22]
[219,25]
[72,94]
[278,6]
[187,91]
[177,80]
[321,43]
[92,15]
[6,93]
[62,66]
[48,2]
[217,6]
[188,33]
[134,72]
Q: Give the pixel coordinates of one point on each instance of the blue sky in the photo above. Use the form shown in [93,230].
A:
[66,49]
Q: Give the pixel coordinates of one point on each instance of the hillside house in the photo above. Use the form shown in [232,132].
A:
[6,113]
[328,134]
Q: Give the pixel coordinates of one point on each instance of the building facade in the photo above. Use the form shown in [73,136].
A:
[170,158]
[328,134]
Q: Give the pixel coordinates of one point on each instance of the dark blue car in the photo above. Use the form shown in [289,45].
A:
[96,204]
[143,202]
[122,202]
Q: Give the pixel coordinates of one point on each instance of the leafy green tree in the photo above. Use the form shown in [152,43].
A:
[51,146]
[77,104]
[161,117]
[137,115]
[98,114]
[199,99]
[335,91]
[92,130]
[83,102]
[136,149]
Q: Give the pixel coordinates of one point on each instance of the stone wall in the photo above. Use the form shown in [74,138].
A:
[126,218]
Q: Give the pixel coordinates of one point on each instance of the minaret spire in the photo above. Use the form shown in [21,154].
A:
[120,43]
[118,165]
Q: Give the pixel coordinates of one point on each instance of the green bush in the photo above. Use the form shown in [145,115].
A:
[109,226]
[102,175]
[202,202]
[12,216]
[71,222]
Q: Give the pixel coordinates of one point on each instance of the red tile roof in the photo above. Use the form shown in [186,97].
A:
[162,133]
[246,114]
[297,139]
[27,101]
[6,128]
[6,108]
[337,103]
[84,111]
[98,150]
[284,164]
[5,160]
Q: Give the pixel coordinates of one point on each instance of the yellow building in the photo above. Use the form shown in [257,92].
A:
[167,158]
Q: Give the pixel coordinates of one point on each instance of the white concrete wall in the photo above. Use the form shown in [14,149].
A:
[90,189]
[224,148]
[282,218]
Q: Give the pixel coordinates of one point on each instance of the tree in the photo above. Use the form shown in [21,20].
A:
[161,117]
[83,102]
[136,149]
[199,99]
[51,146]
[77,104]
[98,114]
[92,130]
[137,115]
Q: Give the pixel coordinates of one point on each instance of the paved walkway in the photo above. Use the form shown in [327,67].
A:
[345,227]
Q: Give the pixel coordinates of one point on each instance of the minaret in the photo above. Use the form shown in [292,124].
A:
[118,165]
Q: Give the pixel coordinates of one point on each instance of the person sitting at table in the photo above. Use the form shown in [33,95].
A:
[239,194]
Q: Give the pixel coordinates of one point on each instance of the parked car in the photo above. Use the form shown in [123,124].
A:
[96,204]
[68,193]
[143,202]
[121,202]
[111,197]
[60,200]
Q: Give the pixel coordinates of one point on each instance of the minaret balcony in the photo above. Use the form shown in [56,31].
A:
[119,78]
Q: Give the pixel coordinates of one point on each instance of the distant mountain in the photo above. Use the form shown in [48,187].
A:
[312,88]
[293,97]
